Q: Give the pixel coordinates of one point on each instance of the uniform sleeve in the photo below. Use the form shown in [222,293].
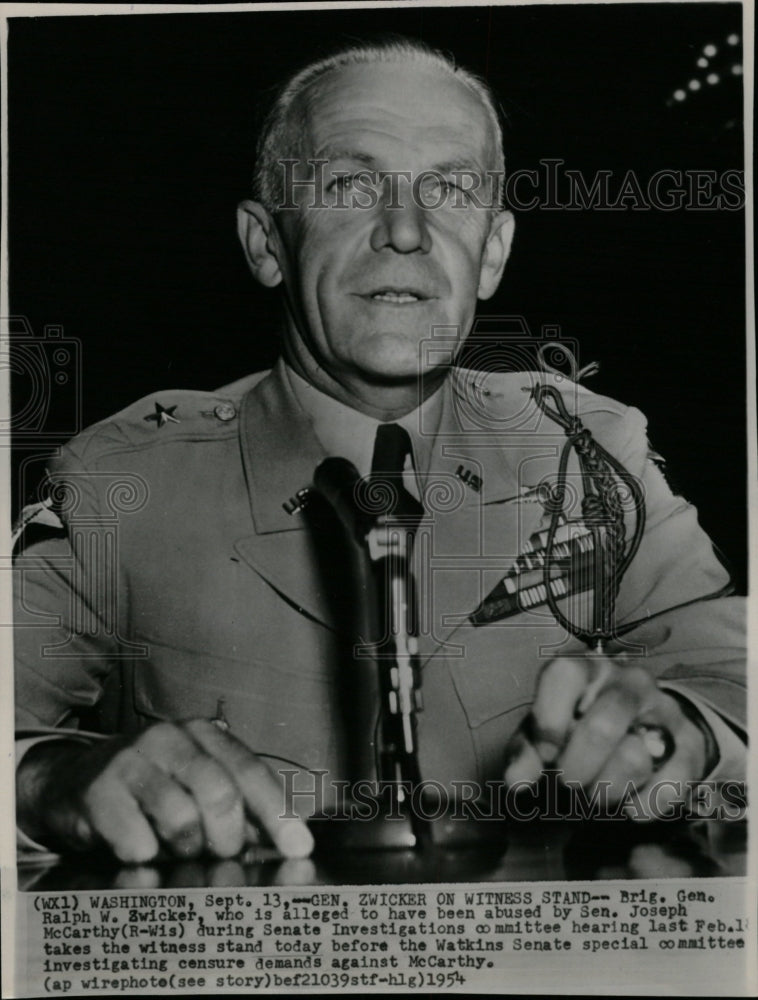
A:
[730,760]
[690,634]
[23,745]
[66,597]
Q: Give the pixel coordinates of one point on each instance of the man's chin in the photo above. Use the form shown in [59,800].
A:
[393,359]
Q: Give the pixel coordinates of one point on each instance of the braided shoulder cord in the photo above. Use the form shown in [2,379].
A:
[607,487]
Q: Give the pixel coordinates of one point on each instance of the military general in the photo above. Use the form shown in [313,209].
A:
[178,638]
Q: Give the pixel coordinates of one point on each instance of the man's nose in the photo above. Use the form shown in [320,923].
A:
[401,223]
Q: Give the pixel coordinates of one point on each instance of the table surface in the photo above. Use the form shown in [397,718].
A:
[544,850]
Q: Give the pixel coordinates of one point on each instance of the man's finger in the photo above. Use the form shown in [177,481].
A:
[114,815]
[560,687]
[599,732]
[523,763]
[262,793]
[172,811]
[215,794]
[668,792]
[220,803]
[630,763]
[664,797]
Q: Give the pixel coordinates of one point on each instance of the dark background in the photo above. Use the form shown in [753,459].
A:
[131,140]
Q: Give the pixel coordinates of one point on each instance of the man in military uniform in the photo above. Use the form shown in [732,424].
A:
[184,594]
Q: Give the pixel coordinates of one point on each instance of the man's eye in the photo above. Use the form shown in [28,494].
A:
[437,191]
[351,182]
[341,182]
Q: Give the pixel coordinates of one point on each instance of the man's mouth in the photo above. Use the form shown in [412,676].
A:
[397,296]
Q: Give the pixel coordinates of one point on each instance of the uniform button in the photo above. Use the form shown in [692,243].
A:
[225,411]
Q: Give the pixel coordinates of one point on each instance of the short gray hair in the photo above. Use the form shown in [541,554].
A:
[284,125]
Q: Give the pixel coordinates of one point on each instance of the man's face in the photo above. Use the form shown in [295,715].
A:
[366,286]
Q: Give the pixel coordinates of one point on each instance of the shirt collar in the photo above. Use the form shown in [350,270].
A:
[347,433]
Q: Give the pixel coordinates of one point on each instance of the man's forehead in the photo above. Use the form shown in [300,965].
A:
[406,101]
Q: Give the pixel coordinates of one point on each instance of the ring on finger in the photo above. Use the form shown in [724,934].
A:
[658,741]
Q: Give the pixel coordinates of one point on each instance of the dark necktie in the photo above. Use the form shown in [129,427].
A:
[391,448]
[398,609]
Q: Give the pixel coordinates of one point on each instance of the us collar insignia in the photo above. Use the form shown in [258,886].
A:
[297,503]
[468,477]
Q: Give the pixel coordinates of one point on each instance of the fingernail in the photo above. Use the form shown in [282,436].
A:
[294,840]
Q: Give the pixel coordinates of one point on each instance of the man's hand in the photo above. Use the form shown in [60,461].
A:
[583,723]
[185,787]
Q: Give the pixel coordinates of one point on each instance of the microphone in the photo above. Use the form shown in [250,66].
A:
[381,685]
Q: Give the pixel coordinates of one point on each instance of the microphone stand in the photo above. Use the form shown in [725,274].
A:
[382,691]
[379,686]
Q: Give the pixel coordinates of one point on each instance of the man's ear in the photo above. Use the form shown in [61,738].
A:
[496,252]
[259,241]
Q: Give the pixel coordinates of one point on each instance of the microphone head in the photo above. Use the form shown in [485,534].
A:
[336,480]
[334,475]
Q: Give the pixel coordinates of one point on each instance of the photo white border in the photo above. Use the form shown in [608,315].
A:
[11,10]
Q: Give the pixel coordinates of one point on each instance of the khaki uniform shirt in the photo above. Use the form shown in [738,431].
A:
[186,575]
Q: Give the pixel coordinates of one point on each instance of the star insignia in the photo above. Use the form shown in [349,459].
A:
[162,415]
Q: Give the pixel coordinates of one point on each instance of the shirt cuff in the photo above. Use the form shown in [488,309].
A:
[24,744]
[732,751]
